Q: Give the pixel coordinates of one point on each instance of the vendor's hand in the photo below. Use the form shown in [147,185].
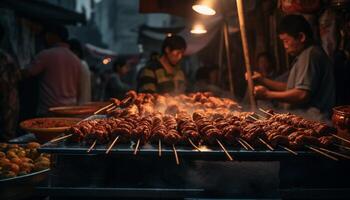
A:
[261,92]
[256,76]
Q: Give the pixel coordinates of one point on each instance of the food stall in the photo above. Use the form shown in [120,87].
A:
[195,146]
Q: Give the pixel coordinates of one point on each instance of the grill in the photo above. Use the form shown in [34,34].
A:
[131,169]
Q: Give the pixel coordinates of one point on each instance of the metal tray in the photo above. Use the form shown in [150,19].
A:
[20,187]
[183,151]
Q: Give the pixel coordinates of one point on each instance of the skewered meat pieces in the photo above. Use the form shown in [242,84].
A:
[207,129]
[187,127]
[130,97]
[172,136]
[143,129]
[327,141]
[158,130]
[115,101]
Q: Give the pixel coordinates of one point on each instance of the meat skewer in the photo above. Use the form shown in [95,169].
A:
[176,156]
[242,144]
[92,146]
[335,153]
[247,144]
[341,138]
[137,146]
[103,108]
[224,149]
[60,138]
[194,146]
[111,146]
[288,149]
[266,144]
[319,127]
[322,140]
[321,152]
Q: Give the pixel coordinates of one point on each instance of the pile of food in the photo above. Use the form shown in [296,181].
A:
[44,123]
[17,160]
[200,118]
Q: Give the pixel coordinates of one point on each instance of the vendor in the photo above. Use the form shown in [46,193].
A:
[164,75]
[58,70]
[310,83]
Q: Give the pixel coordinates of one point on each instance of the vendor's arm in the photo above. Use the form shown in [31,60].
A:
[292,96]
[269,83]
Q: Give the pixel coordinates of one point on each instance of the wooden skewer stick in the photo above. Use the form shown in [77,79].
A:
[224,149]
[266,144]
[111,146]
[335,153]
[248,145]
[125,100]
[253,118]
[322,153]
[288,149]
[194,146]
[341,138]
[176,157]
[159,148]
[103,108]
[137,146]
[342,146]
[242,143]
[260,116]
[111,108]
[264,111]
[60,138]
[92,146]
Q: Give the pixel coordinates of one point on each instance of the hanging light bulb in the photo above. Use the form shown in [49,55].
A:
[198,29]
[105,61]
[204,7]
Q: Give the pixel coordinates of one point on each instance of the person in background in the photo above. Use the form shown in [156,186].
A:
[265,65]
[9,100]
[164,75]
[58,70]
[115,87]
[85,74]
[310,84]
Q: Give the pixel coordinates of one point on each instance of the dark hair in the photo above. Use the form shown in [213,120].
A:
[174,42]
[76,47]
[59,30]
[295,24]
[118,63]
[2,32]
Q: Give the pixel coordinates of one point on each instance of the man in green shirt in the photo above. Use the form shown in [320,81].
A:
[164,75]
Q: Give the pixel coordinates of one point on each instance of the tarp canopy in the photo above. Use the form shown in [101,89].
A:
[100,52]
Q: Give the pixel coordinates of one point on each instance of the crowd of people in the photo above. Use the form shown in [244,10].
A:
[66,79]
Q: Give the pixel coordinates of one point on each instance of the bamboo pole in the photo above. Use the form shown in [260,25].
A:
[228,56]
[240,12]
[220,57]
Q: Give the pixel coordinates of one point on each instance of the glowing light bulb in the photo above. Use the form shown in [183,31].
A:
[198,29]
[203,9]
